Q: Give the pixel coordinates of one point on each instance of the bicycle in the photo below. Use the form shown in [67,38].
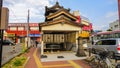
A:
[102,59]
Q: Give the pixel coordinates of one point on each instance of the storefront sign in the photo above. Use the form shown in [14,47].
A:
[34,35]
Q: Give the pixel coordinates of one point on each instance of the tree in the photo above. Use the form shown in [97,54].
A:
[109,29]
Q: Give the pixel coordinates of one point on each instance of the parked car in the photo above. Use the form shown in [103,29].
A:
[112,44]
[8,42]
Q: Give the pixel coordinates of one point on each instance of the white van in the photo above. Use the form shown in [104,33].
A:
[112,44]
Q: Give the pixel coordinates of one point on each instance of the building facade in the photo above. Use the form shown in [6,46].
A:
[87,26]
[17,32]
[114,25]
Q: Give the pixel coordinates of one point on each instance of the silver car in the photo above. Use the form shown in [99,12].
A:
[112,44]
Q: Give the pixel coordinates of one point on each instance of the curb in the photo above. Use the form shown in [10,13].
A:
[26,62]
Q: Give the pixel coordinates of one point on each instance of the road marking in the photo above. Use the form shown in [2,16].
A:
[74,64]
[37,60]
[60,65]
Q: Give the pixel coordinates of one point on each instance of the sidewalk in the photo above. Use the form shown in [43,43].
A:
[35,61]
[31,63]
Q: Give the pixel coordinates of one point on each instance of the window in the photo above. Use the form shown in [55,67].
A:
[99,43]
[34,28]
[118,35]
[116,26]
[20,28]
[13,28]
[106,42]
[111,27]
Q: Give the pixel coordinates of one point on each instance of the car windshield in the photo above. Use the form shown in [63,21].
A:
[106,42]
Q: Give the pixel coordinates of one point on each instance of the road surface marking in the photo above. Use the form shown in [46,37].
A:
[74,64]
[60,65]
[37,60]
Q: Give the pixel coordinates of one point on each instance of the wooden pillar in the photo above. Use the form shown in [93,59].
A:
[80,50]
[42,44]
[77,35]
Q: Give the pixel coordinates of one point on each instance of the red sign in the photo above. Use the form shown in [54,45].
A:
[33,24]
[78,19]
[87,27]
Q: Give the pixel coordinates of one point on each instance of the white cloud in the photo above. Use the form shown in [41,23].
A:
[98,27]
[105,20]
[111,14]
[18,9]
[112,1]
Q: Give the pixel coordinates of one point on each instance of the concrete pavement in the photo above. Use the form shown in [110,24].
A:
[36,62]
[66,55]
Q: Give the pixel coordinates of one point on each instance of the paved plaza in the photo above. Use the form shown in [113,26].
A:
[65,56]
[69,60]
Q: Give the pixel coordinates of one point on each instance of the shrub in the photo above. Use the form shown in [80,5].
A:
[17,62]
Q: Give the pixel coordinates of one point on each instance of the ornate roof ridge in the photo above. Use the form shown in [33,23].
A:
[59,20]
[61,11]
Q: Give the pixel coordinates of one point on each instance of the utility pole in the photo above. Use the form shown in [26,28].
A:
[1,33]
[28,28]
[119,12]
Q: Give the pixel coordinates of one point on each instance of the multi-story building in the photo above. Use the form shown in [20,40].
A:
[87,26]
[18,31]
[114,25]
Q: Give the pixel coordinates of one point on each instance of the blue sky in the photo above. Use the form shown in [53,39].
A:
[99,12]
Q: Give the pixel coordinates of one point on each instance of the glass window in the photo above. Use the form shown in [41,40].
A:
[99,43]
[106,42]
[116,26]
[118,35]
[20,28]
[13,28]
[34,28]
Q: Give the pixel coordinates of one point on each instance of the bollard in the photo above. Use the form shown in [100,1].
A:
[13,48]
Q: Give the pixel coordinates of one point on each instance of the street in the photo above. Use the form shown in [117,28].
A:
[9,52]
